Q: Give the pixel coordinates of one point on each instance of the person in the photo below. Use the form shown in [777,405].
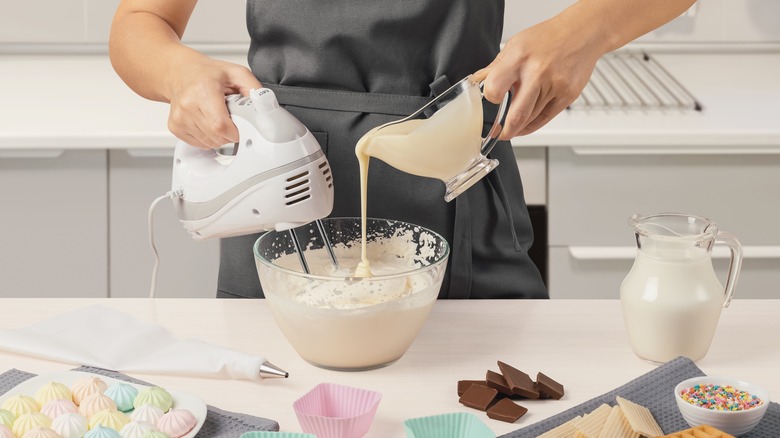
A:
[343,67]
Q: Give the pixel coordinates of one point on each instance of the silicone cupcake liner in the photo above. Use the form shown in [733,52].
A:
[330,410]
[265,434]
[453,425]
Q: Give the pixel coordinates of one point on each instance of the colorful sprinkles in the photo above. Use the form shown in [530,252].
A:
[720,398]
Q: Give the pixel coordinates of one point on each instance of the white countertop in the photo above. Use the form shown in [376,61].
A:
[581,343]
[51,102]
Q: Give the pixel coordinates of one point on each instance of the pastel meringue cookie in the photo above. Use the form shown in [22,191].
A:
[95,403]
[27,422]
[154,395]
[87,386]
[55,408]
[20,405]
[7,417]
[70,425]
[177,422]
[123,395]
[41,432]
[147,414]
[102,432]
[109,418]
[53,391]
[136,429]
[5,432]
[156,434]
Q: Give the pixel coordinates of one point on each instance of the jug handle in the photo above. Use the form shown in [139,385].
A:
[498,125]
[735,264]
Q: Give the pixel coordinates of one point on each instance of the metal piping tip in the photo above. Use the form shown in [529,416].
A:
[267,369]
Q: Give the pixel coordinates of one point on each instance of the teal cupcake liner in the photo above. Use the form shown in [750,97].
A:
[266,434]
[452,425]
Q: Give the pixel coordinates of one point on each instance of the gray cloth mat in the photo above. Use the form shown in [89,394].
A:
[654,390]
[218,424]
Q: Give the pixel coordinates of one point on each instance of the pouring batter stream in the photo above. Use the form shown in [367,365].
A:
[441,147]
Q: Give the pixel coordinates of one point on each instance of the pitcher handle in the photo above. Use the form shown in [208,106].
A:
[498,125]
[735,264]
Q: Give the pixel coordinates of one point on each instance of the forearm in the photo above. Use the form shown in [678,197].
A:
[610,24]
[147,53]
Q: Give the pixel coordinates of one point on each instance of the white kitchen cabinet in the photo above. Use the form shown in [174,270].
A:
[53,225]
[591,195]
[597,272]
[187,268]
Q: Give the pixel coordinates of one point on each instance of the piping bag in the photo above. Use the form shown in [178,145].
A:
[106,338]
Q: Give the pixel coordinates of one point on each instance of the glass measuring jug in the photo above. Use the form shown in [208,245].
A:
[442,140]
[671,298]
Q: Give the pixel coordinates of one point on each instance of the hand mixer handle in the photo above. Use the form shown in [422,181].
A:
[490,140]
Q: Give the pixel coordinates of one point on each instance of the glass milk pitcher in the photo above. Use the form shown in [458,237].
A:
[671,298]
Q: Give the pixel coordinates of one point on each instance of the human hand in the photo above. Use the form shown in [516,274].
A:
[197,93]
[546,67]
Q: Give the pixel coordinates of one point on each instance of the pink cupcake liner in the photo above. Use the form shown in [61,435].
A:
[330,410]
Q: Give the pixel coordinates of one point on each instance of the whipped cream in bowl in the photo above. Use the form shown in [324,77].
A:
[336,319]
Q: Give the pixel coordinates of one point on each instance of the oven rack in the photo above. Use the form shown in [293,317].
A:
[634,81]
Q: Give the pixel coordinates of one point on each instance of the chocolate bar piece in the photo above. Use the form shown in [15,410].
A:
[541,394]
[519,381]
[498,382]
[506,410]
[548,388]
[463,385]
[478,397]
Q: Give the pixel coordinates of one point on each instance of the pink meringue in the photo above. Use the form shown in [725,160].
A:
[95,403]
[87,386]
[177,422]
[55,408]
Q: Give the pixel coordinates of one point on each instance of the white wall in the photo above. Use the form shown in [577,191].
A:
[223,21]
[710,21]
[89,21]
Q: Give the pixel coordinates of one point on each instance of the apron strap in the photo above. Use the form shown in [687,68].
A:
[349,101]
[361,102]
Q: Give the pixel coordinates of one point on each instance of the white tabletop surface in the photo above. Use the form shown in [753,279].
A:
[580,343]
[66,102]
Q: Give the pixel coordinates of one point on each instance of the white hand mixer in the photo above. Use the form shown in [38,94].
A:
[277,178]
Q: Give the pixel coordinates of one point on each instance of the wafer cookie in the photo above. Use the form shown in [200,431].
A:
[702,431]
[565,430]
[591,424]
[640,418]
[617,425]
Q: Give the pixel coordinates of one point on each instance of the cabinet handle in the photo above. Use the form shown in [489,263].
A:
[150,152]
[672,150]
[31,153]
[629,252]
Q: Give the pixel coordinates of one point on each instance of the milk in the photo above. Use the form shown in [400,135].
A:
[671,304]
[441,147]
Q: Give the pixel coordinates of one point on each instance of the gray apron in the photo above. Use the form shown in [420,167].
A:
[345,66]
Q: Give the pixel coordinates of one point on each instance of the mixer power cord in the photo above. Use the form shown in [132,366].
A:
[173,194]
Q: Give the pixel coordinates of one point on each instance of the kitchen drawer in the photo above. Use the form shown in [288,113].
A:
[597,272]
[532,163]
[53,223]
[187,268]
[591,194]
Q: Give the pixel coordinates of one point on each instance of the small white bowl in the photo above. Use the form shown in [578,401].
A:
[732,422]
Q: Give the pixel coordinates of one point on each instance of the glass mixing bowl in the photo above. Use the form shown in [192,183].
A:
[338,321]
